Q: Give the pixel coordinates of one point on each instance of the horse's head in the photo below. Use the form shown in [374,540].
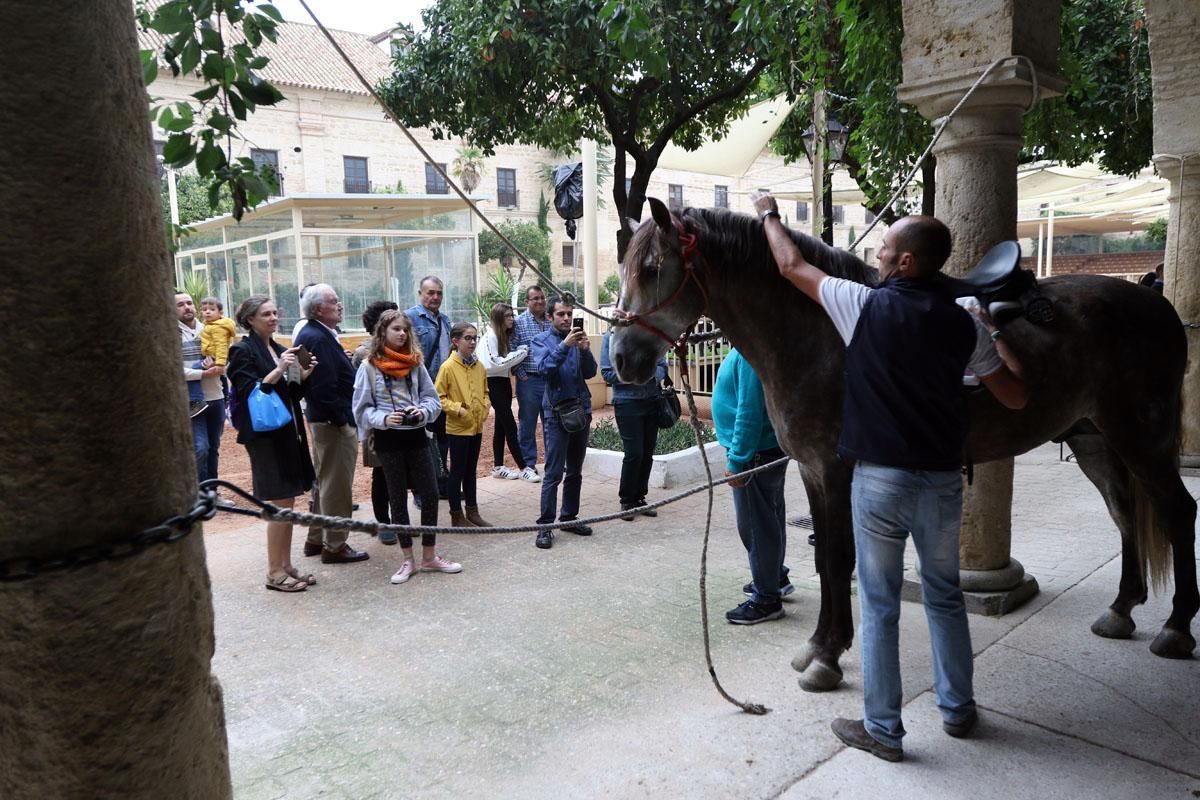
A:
[658,294]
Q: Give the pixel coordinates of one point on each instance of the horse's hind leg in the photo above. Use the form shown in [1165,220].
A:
[1167,515]
[1105,470]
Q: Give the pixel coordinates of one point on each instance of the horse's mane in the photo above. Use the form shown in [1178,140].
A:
[741,237]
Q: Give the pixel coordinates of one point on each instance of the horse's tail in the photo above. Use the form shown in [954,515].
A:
[1153,544]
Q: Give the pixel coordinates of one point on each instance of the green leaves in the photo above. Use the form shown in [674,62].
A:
[216,40]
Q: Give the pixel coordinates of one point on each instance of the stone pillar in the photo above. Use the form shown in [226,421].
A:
[105,681]
[1175,69]
[947,46]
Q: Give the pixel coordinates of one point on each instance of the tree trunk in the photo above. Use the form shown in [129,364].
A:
[928,184]
[105,682]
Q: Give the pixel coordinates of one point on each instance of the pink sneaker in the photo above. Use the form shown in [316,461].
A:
[439,564]
[404,573]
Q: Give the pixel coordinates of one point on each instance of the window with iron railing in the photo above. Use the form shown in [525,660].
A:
[354,172]
[801,211]
[568,253]
[506,188]
[720,197]
[675,196]
[434,182]
[270,158]
[839,215]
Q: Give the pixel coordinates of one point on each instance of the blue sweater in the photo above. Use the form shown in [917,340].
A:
[739,411]
[566,369]
[629,392]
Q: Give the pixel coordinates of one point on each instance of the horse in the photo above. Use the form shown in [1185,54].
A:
[1105,375]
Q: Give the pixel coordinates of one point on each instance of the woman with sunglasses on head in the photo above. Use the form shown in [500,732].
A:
[394,401]
[462,387]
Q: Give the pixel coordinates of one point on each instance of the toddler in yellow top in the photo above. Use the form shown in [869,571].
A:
[219,331]
[462,386]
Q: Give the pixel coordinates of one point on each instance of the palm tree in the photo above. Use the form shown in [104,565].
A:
[468,167]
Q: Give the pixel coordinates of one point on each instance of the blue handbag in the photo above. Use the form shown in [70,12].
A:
[267,410]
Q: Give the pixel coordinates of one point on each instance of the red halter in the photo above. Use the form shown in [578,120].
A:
[689,251]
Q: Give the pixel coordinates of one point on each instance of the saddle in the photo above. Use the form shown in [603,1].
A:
[1003,288]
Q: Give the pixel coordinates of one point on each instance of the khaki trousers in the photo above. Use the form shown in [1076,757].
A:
[335,454]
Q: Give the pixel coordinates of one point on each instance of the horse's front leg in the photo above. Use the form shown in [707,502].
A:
[829,499]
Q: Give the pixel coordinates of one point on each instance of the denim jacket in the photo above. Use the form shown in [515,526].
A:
[629,392]
[435,344]
[566,369]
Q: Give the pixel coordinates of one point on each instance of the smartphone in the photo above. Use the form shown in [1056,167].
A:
[303,357]
[577,323]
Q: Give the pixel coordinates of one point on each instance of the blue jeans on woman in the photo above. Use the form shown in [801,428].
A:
[529,407]
[888,504]
[762,524]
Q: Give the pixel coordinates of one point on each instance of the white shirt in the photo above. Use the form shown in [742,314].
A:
[499,366]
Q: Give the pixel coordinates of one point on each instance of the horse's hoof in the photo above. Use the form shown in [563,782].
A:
[1171,643]
[804,657]
[820,677]
[1113,625]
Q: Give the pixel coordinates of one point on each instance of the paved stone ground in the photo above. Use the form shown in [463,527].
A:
[578,672]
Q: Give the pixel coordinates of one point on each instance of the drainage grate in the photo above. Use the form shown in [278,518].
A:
[802,522]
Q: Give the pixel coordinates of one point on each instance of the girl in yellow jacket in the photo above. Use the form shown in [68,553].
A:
[462,386]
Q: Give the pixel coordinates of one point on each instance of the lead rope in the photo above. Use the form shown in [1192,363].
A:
[685,377]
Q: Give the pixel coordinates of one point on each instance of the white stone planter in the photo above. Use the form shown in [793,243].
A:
[685,468]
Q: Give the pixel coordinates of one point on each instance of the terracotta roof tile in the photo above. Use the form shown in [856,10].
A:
[302,57]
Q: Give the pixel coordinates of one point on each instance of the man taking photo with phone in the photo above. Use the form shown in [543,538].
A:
[563,355]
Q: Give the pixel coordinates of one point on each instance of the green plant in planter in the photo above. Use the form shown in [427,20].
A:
[605,436]
[195,284]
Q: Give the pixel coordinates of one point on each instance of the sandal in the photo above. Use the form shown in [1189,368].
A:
[310,579]
[286,583]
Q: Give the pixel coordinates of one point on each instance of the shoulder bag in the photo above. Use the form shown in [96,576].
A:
[570,415]
[268,411]
[668,404]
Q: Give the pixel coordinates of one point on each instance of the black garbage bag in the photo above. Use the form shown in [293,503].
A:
[568,191]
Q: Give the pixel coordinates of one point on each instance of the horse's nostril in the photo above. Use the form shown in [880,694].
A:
[618,361]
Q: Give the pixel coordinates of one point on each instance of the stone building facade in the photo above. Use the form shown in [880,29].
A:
[330,137]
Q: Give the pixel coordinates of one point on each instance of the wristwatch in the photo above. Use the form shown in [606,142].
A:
[995,334]
[770,212]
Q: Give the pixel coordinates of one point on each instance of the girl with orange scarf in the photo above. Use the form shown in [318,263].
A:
[394,400]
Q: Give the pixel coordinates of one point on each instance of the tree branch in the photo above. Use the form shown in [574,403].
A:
[685,115]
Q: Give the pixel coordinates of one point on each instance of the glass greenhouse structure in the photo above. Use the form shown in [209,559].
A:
[368,247]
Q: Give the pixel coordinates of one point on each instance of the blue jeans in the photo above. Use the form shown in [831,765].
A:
[207,428]
[637,422]
[887,505]
[564,464]
[761,522]
[529,408]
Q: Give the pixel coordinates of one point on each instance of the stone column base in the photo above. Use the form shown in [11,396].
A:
[989,593]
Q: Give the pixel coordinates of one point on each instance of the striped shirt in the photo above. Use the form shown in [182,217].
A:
[525,330]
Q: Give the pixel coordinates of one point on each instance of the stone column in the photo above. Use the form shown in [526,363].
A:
[105,681]
[947,46]
[1175,68]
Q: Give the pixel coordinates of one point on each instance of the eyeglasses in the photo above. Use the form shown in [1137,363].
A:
[469,338]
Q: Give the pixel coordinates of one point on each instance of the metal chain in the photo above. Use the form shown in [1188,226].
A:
[22,568]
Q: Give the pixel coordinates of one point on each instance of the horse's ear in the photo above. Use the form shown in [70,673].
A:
[662,216]
[628,225]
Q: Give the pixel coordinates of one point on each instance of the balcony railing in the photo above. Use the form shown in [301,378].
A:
[351,186]
[509,199]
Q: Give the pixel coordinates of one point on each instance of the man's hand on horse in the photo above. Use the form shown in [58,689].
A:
[763,202]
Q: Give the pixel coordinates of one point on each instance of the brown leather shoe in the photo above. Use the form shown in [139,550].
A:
[311,549]
[343,555]
[475,519]
[460,520]
[854,733]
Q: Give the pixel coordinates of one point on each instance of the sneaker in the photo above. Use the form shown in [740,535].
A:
[531,475]
[752,613]
[439,564]
[404,573]
[196,408]
[545,540]
[578,530]
[504,473]
[854,733]
[388,537]
[961,730]
[630,517]
[784,590]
